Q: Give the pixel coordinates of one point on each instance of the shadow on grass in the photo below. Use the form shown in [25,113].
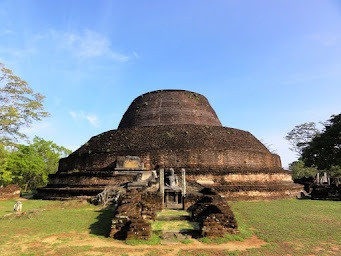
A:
[195,234]
[103,224]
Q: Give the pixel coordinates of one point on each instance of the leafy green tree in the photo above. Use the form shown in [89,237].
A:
[335,171]
[324,151]
[19,106]
[29,165]
[50,152]
[6,175]
[299,170]
[301,136]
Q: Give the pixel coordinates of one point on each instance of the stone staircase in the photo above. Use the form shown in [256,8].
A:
[175,225]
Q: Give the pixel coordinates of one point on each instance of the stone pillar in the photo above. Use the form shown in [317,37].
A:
[162,185]
[324,178]
[318,178]
[183,183]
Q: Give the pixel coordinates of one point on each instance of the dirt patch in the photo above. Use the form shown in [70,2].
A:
[335,248]
[81,244]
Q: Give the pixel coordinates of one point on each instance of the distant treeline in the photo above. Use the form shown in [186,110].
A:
[318,150]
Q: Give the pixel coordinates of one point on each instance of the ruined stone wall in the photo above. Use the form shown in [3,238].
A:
[214,216]
[190,200]
[132,215]
[88,179]
[151,204]
[9,192]
[330,192]
[210,158]
[246,186]
[193,158]
[256,194]
[174,146]
[241,178]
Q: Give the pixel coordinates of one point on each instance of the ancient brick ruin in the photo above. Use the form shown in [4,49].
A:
[132,215]
[171,147]
[9,192]
[214,215]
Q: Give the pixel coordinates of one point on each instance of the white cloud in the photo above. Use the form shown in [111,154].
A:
[6,32]
[84,44]
[18,53]
[36,128]
[73,114]
[80,115]
[136,55]
[90,44]
[93,119]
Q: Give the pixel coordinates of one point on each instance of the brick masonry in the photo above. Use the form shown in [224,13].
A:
[174,129]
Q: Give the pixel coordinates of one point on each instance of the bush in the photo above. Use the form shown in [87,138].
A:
[299,170]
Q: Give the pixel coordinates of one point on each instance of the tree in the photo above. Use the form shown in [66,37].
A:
[6,175]
[29,165]
[335,171]
[301,136]
[299,170]
[19,106]
[50,152]
[324,151]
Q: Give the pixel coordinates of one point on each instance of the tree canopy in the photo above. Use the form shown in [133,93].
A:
[299,170]
[25,165]
[318,150]
[30,165]
[324,150]
[19,106]
[301,136]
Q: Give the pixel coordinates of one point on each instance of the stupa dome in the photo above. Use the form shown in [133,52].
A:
[169,107]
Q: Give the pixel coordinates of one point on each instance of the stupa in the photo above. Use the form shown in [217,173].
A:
[174,129]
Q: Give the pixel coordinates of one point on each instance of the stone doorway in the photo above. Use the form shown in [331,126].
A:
[171,189]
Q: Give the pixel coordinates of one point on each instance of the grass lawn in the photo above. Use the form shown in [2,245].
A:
[290,227]
[293,227]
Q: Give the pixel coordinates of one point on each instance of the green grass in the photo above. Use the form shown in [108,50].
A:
[48,218]
[297,226]
[244,233]
[6,207]
[168,212]
[154,239]
[173,225]
[290,227]
[186,241]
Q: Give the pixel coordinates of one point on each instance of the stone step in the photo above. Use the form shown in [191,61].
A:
[174,218]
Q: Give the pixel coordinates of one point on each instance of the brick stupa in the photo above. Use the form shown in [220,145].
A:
[173,129]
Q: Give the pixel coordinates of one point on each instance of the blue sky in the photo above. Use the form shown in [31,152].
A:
[265,66]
